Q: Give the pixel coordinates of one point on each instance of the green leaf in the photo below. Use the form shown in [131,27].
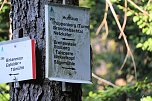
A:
[139,45]
[135,18]
[142,25]
[148,98]
[148,32]
[120,7]
[129,13]
[139,22]
[144,30]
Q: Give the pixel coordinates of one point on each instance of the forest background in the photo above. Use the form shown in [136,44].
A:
[121,40]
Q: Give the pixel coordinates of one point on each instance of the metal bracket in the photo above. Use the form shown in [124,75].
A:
[66,87]
[63,86]
[63,2]
[16,83]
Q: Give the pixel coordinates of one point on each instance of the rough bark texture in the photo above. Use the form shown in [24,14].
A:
[28,20]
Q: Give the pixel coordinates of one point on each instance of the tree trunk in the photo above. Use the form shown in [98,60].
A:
[28,20]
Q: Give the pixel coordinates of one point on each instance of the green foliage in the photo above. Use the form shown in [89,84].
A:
[4,20]
[109,55]
[113,94]
[4,94]
[147,45]
[108,95]
[148,98]
[4,26]
[144,22]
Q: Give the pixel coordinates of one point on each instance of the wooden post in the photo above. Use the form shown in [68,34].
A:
[28,21]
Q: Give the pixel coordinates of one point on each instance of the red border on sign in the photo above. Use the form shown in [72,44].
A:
[33,59]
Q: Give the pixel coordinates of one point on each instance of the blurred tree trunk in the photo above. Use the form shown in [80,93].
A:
[28,20]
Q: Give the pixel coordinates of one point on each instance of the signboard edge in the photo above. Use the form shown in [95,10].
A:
[47,42]
[70,81]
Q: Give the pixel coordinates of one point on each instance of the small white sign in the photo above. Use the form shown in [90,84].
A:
[67,44]
[17,60]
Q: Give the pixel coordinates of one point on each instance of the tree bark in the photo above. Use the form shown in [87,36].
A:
[28,20]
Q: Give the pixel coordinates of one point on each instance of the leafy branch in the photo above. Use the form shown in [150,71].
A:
[3,4]
[136,6]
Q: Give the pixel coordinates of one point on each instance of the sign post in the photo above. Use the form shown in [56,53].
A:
[17,60]
[67,44]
